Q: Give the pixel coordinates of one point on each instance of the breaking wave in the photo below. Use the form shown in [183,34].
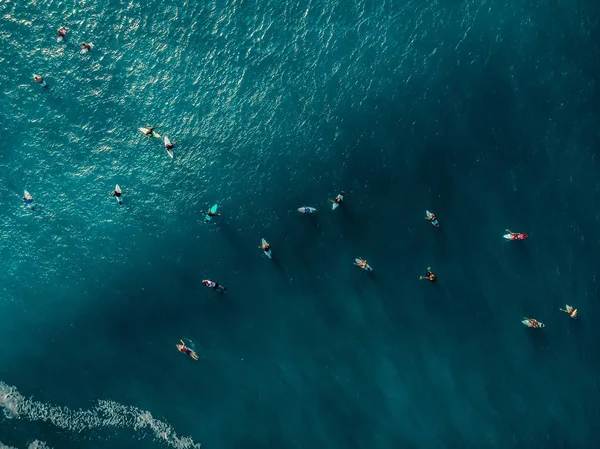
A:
[109,414]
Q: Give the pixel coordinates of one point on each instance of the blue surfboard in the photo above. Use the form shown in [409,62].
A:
[213,210]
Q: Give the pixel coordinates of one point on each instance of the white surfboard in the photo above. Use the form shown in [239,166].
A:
[83,51]
[526,323]
[27,195]
[118,198]
[429,215]
[508,236]
[145,130]
[335,205]
[263,242]
[307,210]
[59,39]
[168,142]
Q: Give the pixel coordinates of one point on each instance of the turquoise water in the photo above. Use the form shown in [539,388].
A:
[484,112]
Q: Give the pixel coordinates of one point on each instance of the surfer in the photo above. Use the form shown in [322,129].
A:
[570,310]
[149,131]
[517,235]
[266,247]
[170,145]
[338,199]
[62,33]
[210,213]
[431,217]
[215,285]
[429,275]
[183,348]
[85,47]
[38,79]
[28,199]
[532,322]
[117,194]
[361,263]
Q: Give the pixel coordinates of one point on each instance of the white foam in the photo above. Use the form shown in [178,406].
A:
[104,414]
[35,445]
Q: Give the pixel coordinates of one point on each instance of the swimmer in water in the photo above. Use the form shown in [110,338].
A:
[571,311]
[86,47]
[211,284]
[61,33]
[429,275]
[183,348]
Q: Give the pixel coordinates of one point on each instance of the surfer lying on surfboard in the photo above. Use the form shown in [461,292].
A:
[215,285]
[338,200]
[515,235]
[117,194]
[432,218]
[570,310]
[532,322]
[429,275]
[85,47]
[183,348]
[210,213]
[149,131]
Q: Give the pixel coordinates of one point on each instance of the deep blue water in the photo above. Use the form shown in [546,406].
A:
[485,112]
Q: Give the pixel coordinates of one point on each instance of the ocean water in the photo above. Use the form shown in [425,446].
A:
[486,112]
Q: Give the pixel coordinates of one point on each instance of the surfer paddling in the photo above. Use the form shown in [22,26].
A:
[183,348]
[170,145]
[570,310]
[85,47]
[149,131]
[337,201]
[117,193]
[28,200]
[430,216]
[429,275]
[210,212]
[214,285]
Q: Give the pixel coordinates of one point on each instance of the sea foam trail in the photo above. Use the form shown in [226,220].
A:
[104,414]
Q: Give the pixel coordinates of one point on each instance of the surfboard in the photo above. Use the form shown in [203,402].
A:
[508,237]
[429,216]
[367,268]
[307,210]
[335,205]
[43,83]
[83,51]
[168,142]
[213,210]
[263,242]
[145,130]
[27,196]
[59,39]
[118,190]
[526,323]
